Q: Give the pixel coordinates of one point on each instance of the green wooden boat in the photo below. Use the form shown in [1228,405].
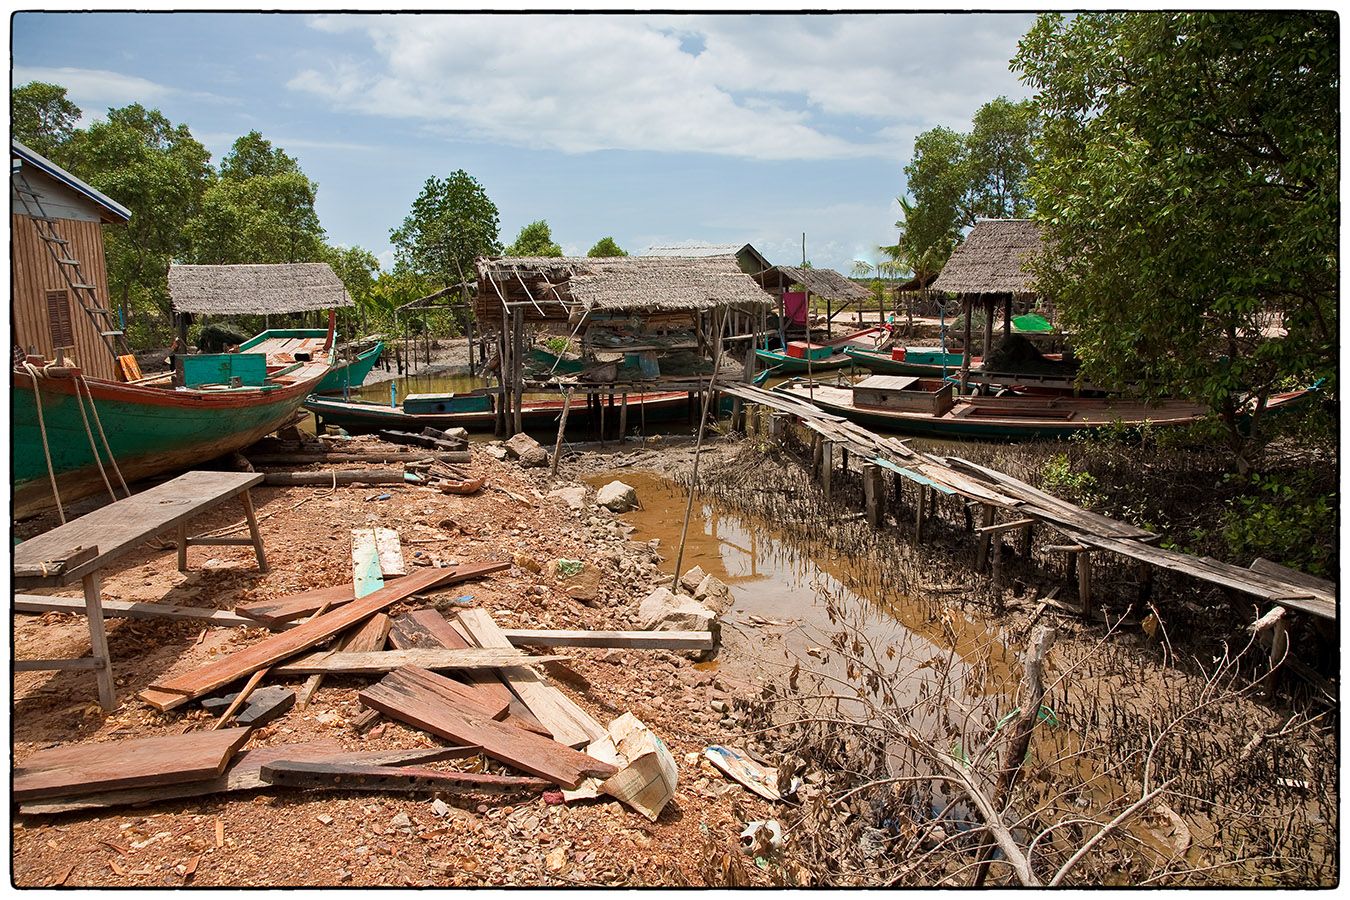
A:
[153,426]
[925,362]
[351,374]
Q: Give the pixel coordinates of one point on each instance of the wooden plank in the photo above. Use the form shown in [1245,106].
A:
[1318,587]
[406,698]
[50,567]
[371,456]
[176,691]
[366,575]
[367,637]
[377,663]
[390,552]
[334,776]
[297,606]
[164,759]
[626,640]
[118,528]
[244,774]
[565,720]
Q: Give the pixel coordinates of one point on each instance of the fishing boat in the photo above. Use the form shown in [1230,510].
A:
[931,362]
[929,407]
[349,374]
[807,357]
[924,362]
[212,404]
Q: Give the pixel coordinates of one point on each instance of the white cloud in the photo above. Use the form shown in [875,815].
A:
[94,91]
[761,87]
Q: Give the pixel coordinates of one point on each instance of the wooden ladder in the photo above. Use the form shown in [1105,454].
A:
[84,293]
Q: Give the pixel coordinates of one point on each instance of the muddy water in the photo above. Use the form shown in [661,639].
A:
[773,578]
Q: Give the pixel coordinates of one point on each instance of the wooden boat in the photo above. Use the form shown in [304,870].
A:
[477,411]
[928,407]
[925,362]
[803,357]
[153,425]
[348,374]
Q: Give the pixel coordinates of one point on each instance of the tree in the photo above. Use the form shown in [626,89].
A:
[357,269]
[452,222]
[159,171]
[259,210]
[1188,190]
[606,246]
[41,117]
[956,178]
[534,239]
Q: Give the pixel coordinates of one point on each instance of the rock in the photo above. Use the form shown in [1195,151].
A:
[664,611]
[556,859]
[574,495]
[526,450]
[400,821]
[690,580]
[496,451]
[714,594]
[616,497]
[527,563]
[439,808]
[454,433]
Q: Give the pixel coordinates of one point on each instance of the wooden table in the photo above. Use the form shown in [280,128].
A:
[81,549]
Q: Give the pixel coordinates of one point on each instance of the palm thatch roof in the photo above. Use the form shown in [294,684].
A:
[555,287]
[256,289]
[825,283]
[750,259]
[994,258]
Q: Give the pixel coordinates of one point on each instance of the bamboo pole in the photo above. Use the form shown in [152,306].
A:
[693,479]
[562,428]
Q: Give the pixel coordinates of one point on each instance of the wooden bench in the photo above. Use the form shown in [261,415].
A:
[81,549]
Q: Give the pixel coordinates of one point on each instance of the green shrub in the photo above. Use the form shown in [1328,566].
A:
[1286,518]
[1059,478]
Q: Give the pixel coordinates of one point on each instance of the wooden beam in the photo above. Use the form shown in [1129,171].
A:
[33,603]
[381,661]
[627,640]
[1005,526]
[354,777]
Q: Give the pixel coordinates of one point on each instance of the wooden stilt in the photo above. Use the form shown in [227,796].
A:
[1024,544]
[920,501]
[562,430]
[996,566]
[827,467]
[982,547]
[1085,583]
[98,641]
[600,401]
[623,418]
[874,494]
[251,515]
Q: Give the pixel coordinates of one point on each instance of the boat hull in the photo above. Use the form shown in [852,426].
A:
[794,365]
[149,430]
[345,376]
[882,363]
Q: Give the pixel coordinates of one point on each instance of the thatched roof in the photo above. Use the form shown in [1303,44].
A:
[822,282]
[993,259]
[256,289]
[562,284]
[750,259]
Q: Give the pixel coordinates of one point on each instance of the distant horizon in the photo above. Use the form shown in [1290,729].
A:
[652,129]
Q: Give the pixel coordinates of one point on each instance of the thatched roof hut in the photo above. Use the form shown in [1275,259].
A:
[826,283]
[751,261]
[556,288]
[993,259]
[256,289]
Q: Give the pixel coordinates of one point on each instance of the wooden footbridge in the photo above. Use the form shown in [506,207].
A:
[1023,507]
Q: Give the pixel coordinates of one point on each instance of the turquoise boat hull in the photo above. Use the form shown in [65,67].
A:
[346,376]
[793,365]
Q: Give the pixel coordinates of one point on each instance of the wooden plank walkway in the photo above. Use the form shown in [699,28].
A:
[1086,529]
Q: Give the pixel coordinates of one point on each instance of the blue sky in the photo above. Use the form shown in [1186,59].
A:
[651,128]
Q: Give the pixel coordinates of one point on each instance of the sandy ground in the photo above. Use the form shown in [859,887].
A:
[292,837]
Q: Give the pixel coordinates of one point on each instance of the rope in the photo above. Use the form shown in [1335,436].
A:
[112,460]
[98,460]
[42,429]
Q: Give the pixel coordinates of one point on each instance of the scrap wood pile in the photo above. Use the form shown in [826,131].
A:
[432,457]
[461,679]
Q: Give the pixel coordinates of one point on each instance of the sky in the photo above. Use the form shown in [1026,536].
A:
[653,129]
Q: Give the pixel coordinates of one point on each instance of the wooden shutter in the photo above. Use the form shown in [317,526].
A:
[58,320]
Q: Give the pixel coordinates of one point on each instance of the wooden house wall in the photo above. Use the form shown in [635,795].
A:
[34,272]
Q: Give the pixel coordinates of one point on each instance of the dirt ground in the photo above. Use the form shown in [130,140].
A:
[280,837]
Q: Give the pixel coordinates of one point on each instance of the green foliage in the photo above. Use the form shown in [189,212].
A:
[957,178]
[159,171]
[1287,518]
[606,246]
[452,222]
[41,117]
[1187,184]
[1058,477]
[259,210]
[534,239]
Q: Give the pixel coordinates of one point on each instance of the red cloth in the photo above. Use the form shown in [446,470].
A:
[794,306]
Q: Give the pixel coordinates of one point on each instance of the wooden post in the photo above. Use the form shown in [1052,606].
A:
[1085,583]
[967,308]
[503,382]
[253,530]
[827,466]
[982,545]
[1024,546]
[98,640]
[517,371]
[920,501]
[1145,582]
[600,402]
[1279,647]
[817,453]
[988,344]
[1007,316]
[469,329]
[874,493]
[777,426]
[623,419]
[562,428]
[996,566]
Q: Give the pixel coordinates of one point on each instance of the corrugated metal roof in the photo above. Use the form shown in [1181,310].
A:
[116,211]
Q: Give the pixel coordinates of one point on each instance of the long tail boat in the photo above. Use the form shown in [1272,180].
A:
[911,405]
[348,374]
[211,405]
[925,362]
[806,357]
